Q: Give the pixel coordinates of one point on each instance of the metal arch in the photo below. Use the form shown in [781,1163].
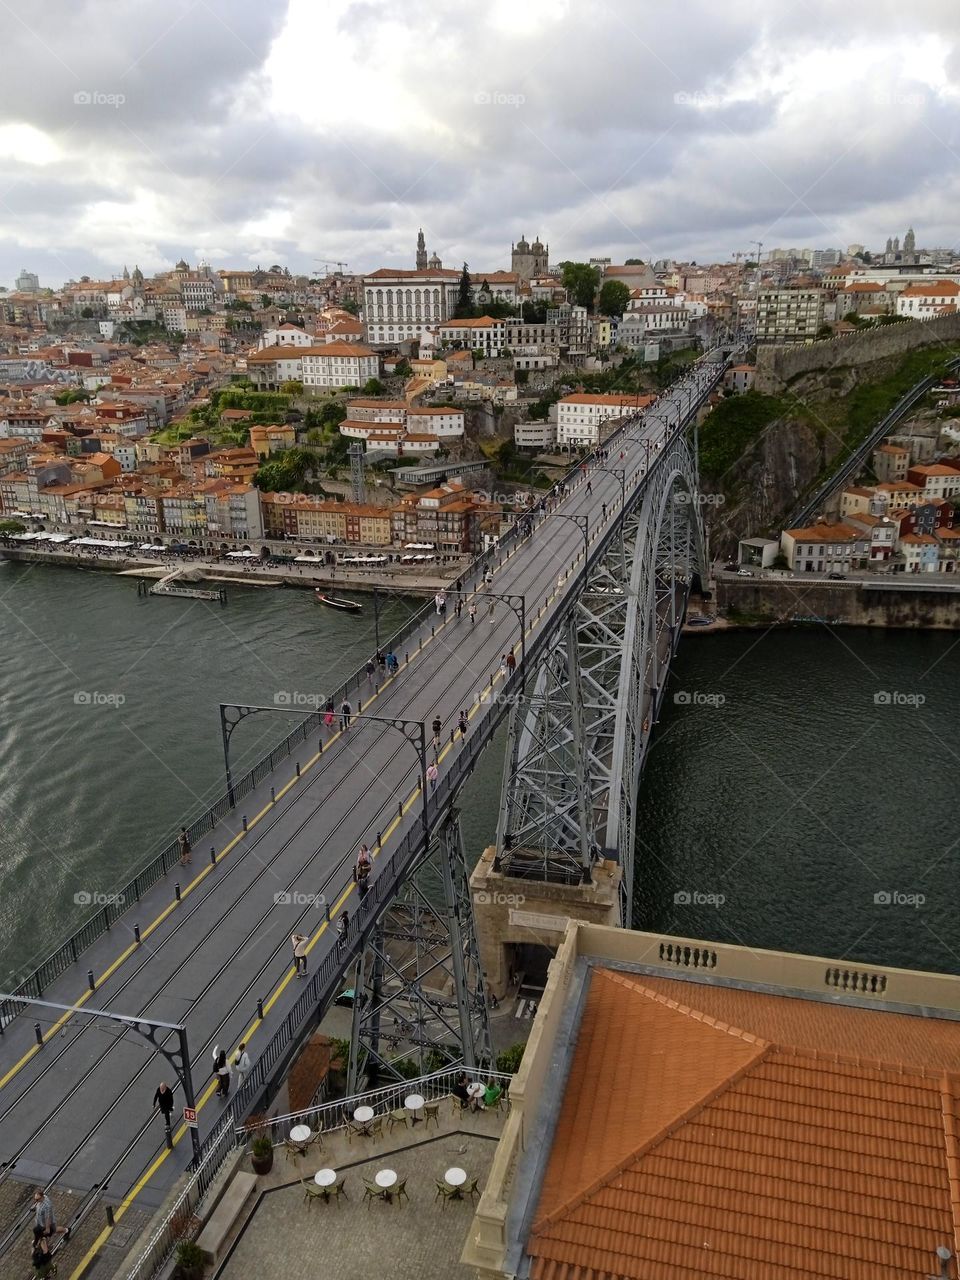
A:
[576,741]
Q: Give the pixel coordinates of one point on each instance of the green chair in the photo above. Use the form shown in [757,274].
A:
[400,1191]
[293,1149]
[355,1130]
[431,1111]
[395,1118]
[311,1192]
[473,1189]
[372,1192]
[339,1189]
[444,1193]
[375,1127]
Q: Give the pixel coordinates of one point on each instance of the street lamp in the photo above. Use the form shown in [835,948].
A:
[584,522]
[519,606]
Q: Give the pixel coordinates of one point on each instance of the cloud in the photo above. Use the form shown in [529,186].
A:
[245,131]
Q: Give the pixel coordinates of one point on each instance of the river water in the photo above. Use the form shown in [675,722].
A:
[779,798]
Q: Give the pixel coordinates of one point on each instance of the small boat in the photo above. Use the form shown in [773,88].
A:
[332,602]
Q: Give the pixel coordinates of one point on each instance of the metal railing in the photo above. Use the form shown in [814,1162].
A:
[328,1116]
[177,1225]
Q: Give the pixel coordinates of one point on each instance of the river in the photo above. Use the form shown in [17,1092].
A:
[781,786]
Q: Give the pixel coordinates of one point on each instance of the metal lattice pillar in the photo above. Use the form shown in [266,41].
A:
[419,996]
[577,726]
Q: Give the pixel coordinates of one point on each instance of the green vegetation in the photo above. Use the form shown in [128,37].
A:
[9,527]
[72,396]
[402,368]
[732,427]
[373,387]
[509,1061]
[581,282]
[464,308]
[284,474]
[614,298]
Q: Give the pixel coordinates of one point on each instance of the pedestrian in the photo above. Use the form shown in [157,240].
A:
[511,663]
[43,1217]
[163,1101]
[473,614]
[370,669]
[458,607]
[241,1060]
[393,664]
[463,723]
[299,943]
[432,774]
[436,727]
[40,1254]
[345,713]
[381,659]
[589,486]
[328,713]
[603,508]
[438,602]
[458,586]
[183,844]
[503,665]
[221,1069]
[343,924]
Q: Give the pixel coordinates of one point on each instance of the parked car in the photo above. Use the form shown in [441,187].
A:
[730,568]
[837,577]
[744,573]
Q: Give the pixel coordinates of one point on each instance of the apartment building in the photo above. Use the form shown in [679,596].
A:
[789,315]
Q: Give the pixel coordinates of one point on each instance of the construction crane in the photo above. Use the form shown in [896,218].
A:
[332,263]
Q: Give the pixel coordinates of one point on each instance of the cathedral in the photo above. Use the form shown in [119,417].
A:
[529,260]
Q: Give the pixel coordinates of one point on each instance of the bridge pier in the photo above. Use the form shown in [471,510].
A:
[513,913]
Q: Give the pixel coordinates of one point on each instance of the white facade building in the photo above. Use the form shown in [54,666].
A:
[399,305]
[581,415]
[337,364]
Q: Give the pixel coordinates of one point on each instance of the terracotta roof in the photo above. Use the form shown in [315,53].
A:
[826,533]
[472,322]
[935,287]
[429,273]
[721,1132]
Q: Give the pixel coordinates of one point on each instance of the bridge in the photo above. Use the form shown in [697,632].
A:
[588,594]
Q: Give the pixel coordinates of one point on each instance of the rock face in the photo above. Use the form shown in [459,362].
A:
[765,484]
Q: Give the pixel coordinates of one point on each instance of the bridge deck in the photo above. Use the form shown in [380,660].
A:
[81,1105]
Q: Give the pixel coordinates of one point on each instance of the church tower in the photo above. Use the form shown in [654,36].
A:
[421,252]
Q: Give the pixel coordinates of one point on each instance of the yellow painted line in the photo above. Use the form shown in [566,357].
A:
[208,1092]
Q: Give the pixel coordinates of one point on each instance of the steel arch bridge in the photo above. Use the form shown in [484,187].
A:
[578,735]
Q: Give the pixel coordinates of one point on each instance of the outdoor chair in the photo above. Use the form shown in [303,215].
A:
[395,1118]
[400,1191]
[444,1193]
[293,1149]
[372,1192]
[375,1127]
[473,1189]
[339,1189]
[355,1130]
[431,1111]
[311,1192]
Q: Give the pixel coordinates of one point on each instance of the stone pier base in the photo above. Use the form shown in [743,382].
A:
[513,913]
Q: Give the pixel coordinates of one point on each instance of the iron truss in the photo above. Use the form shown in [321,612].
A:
[418,988]
[576,737]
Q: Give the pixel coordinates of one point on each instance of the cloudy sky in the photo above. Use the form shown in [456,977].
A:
[292,131]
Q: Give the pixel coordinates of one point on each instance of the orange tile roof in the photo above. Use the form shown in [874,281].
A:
[726,1133]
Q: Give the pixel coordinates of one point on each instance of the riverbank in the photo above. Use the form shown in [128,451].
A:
[393,579]
[772,602]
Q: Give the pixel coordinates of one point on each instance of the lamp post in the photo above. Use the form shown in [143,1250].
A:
[415,732]
[584,523]
[518,604]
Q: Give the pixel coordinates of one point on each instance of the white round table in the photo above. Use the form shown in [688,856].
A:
[300,1133]
[386,1179]
[363,1115]
[413,1103]
[455,1177]
[325,1177]
[476,1090]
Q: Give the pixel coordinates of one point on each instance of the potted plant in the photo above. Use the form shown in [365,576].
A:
[261,1153]
[191,1260]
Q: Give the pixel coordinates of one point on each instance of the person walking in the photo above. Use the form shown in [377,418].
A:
[442,606]
[438,602]
[589,486]
[328,714]
[463,724]
[603,508]
[393,665]
[343,924]
[183,844]
[381,660]
[503,666]
[241,1061]
[435,728]
[221,1069]
[163,1101]
[346,711]
[299,943]
[361,869]
[511,663]
[473,614]
[40,1255]
[370,670]
[43,1216]
[432,774]
[458,607]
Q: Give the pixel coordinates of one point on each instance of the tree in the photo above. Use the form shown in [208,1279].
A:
[292,388]
[87,313]
[633,262]
[402,368]
[373,387]
[581,281]
[348,304]
[10,527]
[614,298]
[464,308]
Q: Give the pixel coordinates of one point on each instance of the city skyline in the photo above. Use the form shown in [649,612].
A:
[250,136]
